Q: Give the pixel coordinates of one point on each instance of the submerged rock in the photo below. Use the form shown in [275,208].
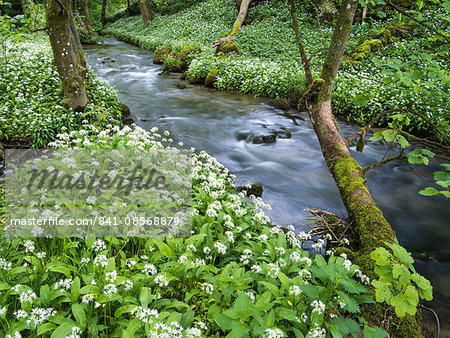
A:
[264,139]
[282,133]
[181,85]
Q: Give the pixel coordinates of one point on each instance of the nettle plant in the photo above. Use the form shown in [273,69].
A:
[398,283]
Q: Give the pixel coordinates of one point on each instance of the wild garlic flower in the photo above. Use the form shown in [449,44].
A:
[149,269]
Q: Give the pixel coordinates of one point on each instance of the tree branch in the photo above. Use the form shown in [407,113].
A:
[379,164]
[418,21]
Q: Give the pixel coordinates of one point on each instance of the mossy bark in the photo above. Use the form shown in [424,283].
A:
[370,227]
[87,16]
[243,9]
[67,52]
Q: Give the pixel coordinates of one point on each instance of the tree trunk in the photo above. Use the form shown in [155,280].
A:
[301,48]
[129,7]
[87,16]
[69,58]
[104,11]
[146,11]
[24,6]
[364,12]
[371,228]
[77,14]
[243,9]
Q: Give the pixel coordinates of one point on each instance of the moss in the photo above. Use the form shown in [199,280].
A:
[236,28]
[188,51]
[211,79]
[196,79]
[228,48]
[161,54]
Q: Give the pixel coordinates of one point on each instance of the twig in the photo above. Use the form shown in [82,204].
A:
[313,55]
[320,27]
[418,21]
[379,164]
[437,319]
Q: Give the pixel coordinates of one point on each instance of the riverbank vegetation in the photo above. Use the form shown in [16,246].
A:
[237,274]
[389,78]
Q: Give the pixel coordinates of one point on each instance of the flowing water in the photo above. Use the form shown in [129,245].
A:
[292,171]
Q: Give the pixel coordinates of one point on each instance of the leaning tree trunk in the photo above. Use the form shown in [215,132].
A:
[87,16]
[370,226]
[104,11]
[68,54]
[243,9]
[146,11]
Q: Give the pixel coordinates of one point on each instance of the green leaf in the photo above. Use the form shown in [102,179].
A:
[75,289]
[145,297]
[124,309]
[381,256]
[63,330]
[382,291]
[361,100]
[406,302]
[429,191]
[80,315]
[44,328]
[163,247]
[373,332]
[187,319]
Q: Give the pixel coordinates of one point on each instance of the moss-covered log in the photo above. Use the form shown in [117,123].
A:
[369,225]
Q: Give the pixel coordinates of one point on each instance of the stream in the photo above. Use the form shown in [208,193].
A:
[292,171]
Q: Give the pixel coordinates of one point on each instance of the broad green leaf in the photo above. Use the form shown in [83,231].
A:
[163,247]
[80,315]
[381,256]
[75,289]
[63,330]
[429,191]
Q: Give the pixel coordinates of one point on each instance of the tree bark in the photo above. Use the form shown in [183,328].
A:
[24,6]
[77,14]
[67,52]
[146,11]
[364,12]
[104,11]
[243,9]
[128,7]
[371,228]
[87,16]
[301,48]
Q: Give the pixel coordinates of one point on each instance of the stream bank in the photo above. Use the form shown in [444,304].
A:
[291,171]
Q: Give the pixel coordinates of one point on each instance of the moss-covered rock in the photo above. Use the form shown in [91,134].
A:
[173,64]
[161,54]
[181,85]
[195,79]
[211,79]
[188,51]
[228,48]
[382,38]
